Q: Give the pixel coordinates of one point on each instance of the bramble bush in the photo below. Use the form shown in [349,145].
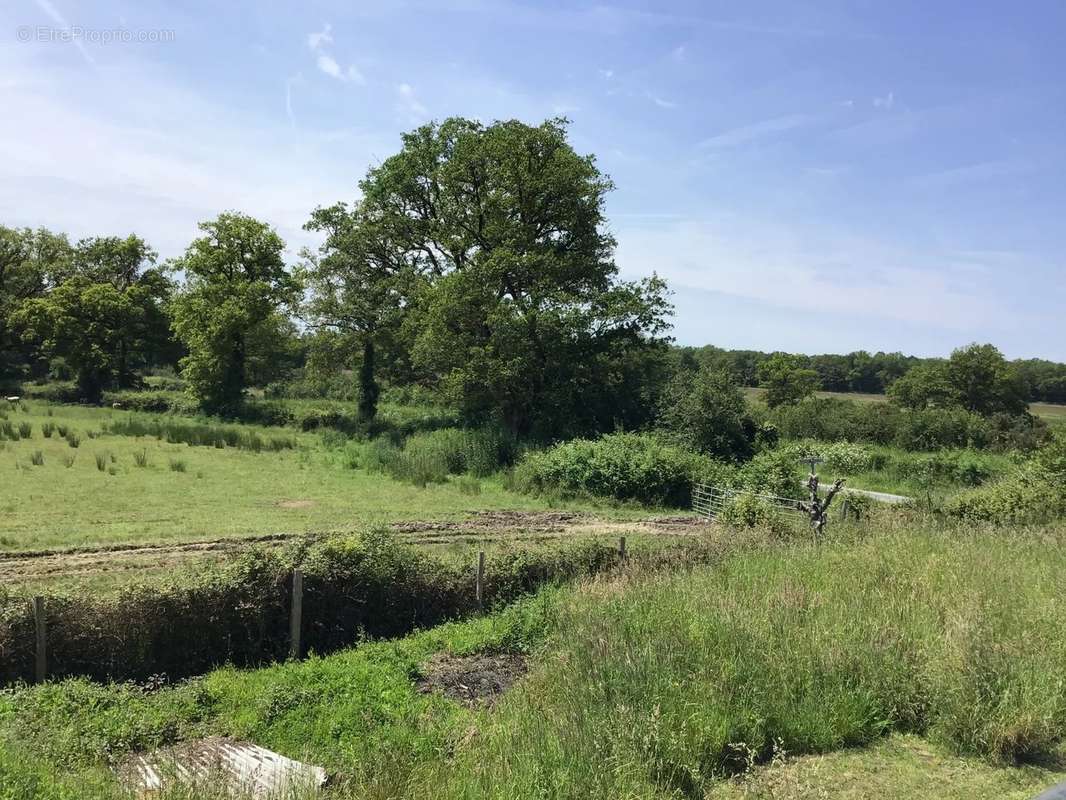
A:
[623,466]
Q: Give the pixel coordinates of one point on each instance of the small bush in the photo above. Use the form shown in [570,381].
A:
[62,430]
[73,440]
[37,458]
[177,465]
[8,431]
[25,430]
[101,461]
[746,510]
[68,460]
[140,457]
[47,429]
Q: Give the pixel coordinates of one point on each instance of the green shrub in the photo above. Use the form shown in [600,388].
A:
[746,510]
[101,461]
[68,460]
[73,440]
[62,430]
[140,457]
[25,430]
[47,429]
[157,401]
[37,458]
[773,472]
[1034,492]
[177,465]
[8,431]
[624,466]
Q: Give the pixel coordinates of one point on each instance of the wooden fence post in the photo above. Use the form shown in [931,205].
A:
[621,548]
[296,613]
[479,586]
[41,623]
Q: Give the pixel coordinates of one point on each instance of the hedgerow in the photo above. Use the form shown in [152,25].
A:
[366,586]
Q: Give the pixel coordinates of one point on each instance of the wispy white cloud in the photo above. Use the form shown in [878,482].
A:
[326,63]
[315,41]
[792,267]
[679,53]
[758,130]
[291,82]
[970,173]
[886,102]
[409,105]
[49,9]
[606,74]
[661,102]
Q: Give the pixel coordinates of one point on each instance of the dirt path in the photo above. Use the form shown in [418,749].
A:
[486,526]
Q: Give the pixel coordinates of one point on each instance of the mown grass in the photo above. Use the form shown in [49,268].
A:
[188,492]
[653,685]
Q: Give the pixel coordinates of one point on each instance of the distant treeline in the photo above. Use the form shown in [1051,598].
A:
[871,373]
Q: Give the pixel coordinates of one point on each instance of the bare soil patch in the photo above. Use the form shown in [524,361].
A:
[476,680]
[296,504]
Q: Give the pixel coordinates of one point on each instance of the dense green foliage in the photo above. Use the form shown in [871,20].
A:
[837,419]
[872,373]
[976,378]
[786,380]
[1034,492]
[625,466]
[705,410]
[514,306]
[236,283]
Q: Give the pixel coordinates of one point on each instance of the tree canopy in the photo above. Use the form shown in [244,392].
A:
[512,301]
[236,281]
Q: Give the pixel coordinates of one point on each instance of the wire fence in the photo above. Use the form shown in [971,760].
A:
[709,501]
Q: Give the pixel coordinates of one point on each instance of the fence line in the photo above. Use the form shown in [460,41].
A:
[289,628]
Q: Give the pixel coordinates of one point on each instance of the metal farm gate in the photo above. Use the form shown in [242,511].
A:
[708,501]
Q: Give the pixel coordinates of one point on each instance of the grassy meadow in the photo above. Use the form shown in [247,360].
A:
[893,664]
[114,489]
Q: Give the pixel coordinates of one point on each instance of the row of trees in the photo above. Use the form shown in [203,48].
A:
[872,373]
[476,261]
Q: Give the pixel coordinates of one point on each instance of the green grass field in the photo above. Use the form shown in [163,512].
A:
[187,493]
[892,665]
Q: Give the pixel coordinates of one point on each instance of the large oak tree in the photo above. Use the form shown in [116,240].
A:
[513,302]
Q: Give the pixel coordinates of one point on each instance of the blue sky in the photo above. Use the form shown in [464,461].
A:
[818,177]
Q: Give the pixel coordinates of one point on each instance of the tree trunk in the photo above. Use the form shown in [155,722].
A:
[368,385]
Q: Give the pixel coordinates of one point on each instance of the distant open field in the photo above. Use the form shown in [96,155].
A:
[1049,411]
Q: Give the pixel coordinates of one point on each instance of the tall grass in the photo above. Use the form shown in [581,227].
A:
[198,434]
[661,686]
[642,684]
[431,457]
